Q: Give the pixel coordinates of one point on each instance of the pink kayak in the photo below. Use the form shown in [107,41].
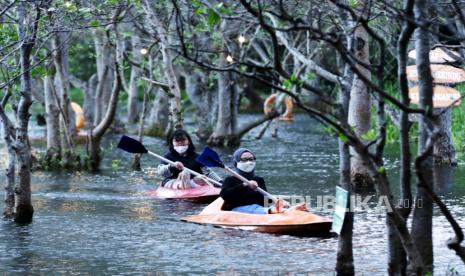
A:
[202,194]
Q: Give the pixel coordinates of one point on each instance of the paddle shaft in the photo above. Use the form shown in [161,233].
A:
[260,190]
[187,169]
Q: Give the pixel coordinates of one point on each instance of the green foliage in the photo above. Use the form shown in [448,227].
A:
[94,24]
[369,135]
[195,3]
[343,138]
[200,10]
[289,83]
[40,71]
[224,10]
[311,76]
[8,34]
[458,127]
[115,164]
[76,95]
[392,132]
[353,3]
[82,58]
[213,18]
[112,2]
[381,169]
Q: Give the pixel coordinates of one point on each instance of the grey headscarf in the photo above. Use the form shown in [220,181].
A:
[237,158]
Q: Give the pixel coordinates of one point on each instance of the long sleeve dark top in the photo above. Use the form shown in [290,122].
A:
[235,194]
[189,161]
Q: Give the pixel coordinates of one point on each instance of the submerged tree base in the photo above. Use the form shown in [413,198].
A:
[24,213]
[71,160]
[155,131]
[53,161]
[347,270]
[136,162]
[224,141]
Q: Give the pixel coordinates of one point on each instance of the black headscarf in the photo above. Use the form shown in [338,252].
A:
[180,134]
[237,158]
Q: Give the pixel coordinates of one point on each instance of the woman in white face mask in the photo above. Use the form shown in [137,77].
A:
[182,153]
[243,197]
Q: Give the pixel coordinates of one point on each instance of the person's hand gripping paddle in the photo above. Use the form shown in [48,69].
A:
[131,145]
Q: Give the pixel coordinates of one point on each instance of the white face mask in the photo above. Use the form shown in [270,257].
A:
[246,166]
[181,149]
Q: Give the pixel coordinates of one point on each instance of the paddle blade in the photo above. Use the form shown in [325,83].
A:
[128,144]
[210,158]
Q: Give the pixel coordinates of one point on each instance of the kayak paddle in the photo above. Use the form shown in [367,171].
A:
[210,158]
[131,145]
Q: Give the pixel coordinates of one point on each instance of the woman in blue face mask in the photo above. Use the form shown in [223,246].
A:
[182,153]
[243,197]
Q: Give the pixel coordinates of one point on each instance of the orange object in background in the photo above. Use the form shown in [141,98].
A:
[288,114]
[80,121]
[290,222]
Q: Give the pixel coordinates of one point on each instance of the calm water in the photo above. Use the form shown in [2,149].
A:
[102,224]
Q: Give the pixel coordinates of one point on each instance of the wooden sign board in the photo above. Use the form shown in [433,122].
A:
[442,96]
[441,73]
[437,55]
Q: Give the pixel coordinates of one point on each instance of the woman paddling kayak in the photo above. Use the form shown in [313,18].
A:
[182,152]
[243,197]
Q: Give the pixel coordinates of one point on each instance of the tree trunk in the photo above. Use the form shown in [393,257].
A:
[423,212]
[10,182]
[158,121]
[163,33]
[94,153]
[8,135]
[255,102]
[95,135]
[145,104]
[227,106]
[345,258]
[105,56]
[397,257]
[52,117]
[444,151]
[62,84]
[23,205]
[360,102]
[89,99]
[202,98]
[133,83]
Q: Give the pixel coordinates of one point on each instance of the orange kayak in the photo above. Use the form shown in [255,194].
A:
[202,194]
[290,222]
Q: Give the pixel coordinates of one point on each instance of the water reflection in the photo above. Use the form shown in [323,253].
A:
[17,247]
